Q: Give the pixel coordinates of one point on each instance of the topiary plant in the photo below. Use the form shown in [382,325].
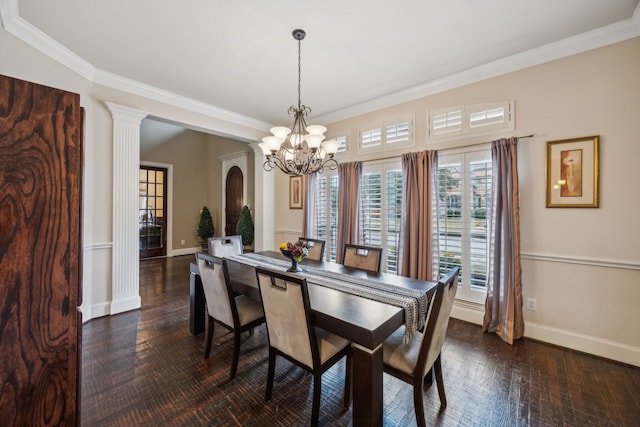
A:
[245,226]
[205,226]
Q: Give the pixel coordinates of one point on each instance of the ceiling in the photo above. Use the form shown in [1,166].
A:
[240,56]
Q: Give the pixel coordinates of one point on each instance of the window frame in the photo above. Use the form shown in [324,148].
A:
[468,222]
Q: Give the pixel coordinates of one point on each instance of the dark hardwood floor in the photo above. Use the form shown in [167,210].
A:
[143,368]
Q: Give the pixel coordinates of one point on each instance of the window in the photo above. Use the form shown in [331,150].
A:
[468,120]
[326,211]
[387,134]
[381,210]
[464,200]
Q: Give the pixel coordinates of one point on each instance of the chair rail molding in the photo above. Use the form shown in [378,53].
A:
[595,262]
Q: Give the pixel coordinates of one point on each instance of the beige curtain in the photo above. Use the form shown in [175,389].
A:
[419,256]
[503,307]
[308,219]
[348,202]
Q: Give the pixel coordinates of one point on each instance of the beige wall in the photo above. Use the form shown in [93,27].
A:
[581,265]
[197,180]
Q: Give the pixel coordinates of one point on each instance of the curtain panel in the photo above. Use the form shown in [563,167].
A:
[503,306]
[309,225]
[348,202]
[419,254]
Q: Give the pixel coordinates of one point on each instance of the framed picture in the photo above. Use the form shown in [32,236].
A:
[572,173]
[295,192]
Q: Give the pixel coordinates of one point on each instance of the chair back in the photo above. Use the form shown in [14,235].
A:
[216,290]
[435,328]
[316,248]
[285,301]
[225,246]
[362,257]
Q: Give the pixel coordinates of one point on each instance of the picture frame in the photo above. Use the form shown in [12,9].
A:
[572,178]
[296,193]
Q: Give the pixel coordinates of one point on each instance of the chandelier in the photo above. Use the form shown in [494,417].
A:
[300,150]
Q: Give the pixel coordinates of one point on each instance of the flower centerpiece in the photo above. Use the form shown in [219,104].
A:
[295,252]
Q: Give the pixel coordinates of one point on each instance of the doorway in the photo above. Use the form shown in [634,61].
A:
[233,198]
[152,212]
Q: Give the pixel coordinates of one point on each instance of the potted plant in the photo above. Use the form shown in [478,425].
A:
[205,227]
[245,226]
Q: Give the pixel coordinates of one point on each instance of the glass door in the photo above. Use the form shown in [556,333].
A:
[151,214]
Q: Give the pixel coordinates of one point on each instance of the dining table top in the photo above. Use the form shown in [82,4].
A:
[361,320]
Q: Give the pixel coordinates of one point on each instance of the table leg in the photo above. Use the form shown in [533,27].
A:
[367,386]
[197,303]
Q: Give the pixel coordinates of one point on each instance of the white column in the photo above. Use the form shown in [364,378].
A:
[264,221]
[125,270]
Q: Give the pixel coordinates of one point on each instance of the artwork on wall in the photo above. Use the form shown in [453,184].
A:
[295,192]
[572,173]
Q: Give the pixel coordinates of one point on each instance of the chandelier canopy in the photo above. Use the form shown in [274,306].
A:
[300,150]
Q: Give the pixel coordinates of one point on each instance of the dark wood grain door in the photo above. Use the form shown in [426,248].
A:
[40,254]
[233,199]
[152,212]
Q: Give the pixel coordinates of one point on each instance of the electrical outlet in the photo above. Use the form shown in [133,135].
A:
[182,242]
[531,304]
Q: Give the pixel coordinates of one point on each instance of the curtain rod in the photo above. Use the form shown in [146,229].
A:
[488,142]
[451,148]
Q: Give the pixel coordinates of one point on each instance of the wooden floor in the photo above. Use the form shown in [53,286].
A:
[143,368]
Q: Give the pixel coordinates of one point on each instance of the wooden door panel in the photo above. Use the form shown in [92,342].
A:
[40,190]
[233,194]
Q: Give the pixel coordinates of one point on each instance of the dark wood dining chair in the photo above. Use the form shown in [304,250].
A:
[292,335]
[362,257]
[235,313]
[316,248]
[225,246]
[413,361]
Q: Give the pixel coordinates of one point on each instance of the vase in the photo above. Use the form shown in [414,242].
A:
[295,268]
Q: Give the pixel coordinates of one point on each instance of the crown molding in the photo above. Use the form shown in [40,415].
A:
[590,40]
[610,34]
[23,30]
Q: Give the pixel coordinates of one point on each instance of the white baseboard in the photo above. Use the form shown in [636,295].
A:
[185,251]
[474,313]
[126,304]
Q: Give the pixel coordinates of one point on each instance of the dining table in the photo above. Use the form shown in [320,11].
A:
[363,321]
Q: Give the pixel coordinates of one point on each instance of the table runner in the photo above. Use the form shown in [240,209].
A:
[414,302]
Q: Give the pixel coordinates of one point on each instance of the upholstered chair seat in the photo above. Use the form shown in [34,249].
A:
[316,248]
[222,247]
[362,257]
[413,361]
[292,334]
[235,313]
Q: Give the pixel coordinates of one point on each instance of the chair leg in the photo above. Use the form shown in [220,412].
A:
[347,383]
[270,374]
[418,403]
[236,354]
[437,366]
[208,341]
[317,391]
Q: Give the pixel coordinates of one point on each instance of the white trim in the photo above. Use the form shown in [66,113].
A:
[23,30]
[474,313]
[98,246]
[121,305]
[608,35]
[186,251]
[585,343]
[594,262]
[604,36]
